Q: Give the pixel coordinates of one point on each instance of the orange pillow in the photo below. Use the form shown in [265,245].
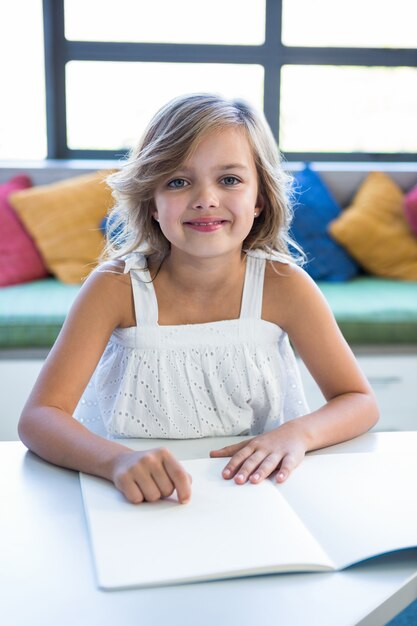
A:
[64,220]
[375,232]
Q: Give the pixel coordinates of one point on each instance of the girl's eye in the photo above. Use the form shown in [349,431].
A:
[177,183]
[230,180]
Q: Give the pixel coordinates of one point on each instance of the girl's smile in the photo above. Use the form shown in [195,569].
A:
[207,224]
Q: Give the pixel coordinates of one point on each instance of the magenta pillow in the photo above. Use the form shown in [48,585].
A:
[20,260]
[410,208]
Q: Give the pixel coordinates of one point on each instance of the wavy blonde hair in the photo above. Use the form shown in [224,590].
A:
[170,138]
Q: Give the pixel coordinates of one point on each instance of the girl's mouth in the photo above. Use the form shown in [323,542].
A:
[206,226]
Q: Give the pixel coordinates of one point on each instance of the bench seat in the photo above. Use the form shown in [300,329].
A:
[372,310]
[31,314]
[368,310]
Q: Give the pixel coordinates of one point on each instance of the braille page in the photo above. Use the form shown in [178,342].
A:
[356,505]
[226,530]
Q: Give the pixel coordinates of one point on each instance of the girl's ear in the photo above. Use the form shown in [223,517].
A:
[155,216]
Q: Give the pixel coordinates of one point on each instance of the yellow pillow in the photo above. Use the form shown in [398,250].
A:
[64,220]
[374,231]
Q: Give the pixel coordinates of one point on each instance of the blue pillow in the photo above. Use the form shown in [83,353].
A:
[314,208]
[108,228]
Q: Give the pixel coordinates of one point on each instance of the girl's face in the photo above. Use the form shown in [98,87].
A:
[206,208]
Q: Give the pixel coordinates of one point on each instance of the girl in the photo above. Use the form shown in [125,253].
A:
[186,327]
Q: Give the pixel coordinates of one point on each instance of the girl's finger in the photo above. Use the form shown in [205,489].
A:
[249,466]
[130,489]
[230,450]
[163,481]
[147,486]
[179,477]
[288,464]
[265,469]
[236,461]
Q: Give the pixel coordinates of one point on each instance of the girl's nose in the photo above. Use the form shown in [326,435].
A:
[205,198]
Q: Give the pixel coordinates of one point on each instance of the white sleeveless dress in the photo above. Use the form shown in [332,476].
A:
[232,377]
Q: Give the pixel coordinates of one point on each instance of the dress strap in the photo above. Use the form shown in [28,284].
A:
[144,297]
[253,288]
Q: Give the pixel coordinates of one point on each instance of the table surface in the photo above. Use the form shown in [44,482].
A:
[47,575]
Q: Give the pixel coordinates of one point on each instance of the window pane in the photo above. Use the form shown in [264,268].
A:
[109,104]
[179,21]
[348,109]
[22,102]
[353,23]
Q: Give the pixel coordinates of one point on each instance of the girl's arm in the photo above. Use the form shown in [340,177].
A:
[47,426]
[350,409]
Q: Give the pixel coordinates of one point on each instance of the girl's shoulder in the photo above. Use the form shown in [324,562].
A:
[289,292]
[110,273]
[281,272]
[108,287]
[285,279]
[112,266]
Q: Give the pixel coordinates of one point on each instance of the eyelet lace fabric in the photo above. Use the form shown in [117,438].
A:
[232,377]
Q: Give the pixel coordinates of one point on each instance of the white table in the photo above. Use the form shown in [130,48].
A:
[47,576]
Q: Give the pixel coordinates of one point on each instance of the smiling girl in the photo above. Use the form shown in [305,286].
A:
[185,330]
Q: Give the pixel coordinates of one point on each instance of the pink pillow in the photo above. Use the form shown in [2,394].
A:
[20,260]
[410,208]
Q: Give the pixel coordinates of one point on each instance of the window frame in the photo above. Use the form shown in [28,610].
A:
[272,55]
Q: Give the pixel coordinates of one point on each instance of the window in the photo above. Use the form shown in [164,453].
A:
[109,103]
[348,88]
[22,102]
[230,22]
[354,24]
[337,81]
[346,109]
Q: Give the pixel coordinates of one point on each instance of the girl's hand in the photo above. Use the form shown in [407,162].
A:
[150,475]
[281,449]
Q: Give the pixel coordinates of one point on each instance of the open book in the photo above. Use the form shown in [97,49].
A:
[333,511]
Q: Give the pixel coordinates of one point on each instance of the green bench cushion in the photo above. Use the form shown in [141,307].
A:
[31,314]
[372,310]
[368,311]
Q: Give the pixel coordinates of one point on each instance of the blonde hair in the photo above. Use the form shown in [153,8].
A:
[170,138]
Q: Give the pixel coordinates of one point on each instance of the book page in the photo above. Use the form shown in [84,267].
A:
[356,505]
[225,530]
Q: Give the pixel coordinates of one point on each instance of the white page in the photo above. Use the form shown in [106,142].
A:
[225,530]
[356,505]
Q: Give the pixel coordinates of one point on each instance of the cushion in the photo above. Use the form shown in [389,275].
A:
[108,228]
[371,310]
[314,208]
[375,232]
[31,314]
[64,221]
[410,209]
[20,261]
